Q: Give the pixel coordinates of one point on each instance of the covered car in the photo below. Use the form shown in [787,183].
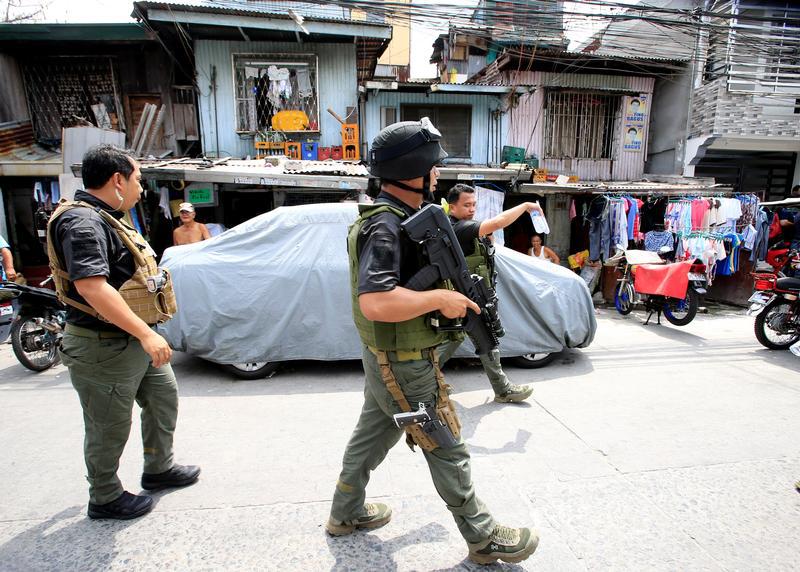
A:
[276,288]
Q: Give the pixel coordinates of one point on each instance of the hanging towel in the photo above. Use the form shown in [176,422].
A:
[572,212]
[38,193]
[490,204]
[163,202]
[55,191]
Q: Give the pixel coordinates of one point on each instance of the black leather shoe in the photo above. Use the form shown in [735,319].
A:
[125,507]
[177,476]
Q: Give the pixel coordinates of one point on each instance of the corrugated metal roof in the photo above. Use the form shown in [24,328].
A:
[24,32]
[326,167]
[20,156]
[265,173]
[239,9]
[640,40]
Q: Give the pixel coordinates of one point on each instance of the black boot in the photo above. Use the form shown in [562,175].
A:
[177,476]
[125,507]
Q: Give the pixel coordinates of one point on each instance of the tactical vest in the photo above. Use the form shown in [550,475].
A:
[411,335]
[151,307]
[480,261]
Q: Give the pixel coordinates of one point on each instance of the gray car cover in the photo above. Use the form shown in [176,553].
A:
[276,288]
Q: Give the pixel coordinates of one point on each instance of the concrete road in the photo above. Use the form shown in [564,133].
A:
[657,448]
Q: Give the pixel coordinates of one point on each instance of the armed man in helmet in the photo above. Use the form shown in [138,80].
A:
[479,251]
[399,356]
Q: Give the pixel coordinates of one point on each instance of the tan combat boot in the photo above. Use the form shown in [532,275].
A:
[506,544]
[375,516]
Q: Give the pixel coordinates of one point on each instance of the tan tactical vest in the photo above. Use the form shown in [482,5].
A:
[151,307]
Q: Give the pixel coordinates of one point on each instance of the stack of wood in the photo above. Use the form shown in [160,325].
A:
[148,129]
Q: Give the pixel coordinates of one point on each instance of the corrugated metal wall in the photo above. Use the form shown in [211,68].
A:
[13,106]
[485,137]
[338,89]
[526,123]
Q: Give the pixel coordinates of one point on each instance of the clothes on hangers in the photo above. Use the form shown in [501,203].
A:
[748,209]
[678,216]
[656,239]
[733,243]
[707,247]
[700,208]
[652,214]
[748,237]
[619,223]
[761,242]
[599,228]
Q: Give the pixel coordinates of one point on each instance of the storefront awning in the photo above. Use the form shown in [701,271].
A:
[337,175]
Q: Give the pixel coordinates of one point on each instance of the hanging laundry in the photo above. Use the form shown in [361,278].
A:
[38,193]
[163,202]
[304,83]
[730,264]
[655,239]
[280,88]
[699,211]
[490,204]
[599,229]
[652,214]
[760,244]
[619,223]
[749,237]
[55,191]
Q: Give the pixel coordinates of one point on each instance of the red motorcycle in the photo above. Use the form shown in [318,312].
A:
[776,304]
[783,260]
[672,288]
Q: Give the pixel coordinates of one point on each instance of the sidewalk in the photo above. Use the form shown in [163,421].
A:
[657,448]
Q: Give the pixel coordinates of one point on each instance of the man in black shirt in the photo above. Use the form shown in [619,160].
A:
[478,250]
[114,357]
[399,354]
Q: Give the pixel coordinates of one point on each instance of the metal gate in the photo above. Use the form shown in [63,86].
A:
[768,173]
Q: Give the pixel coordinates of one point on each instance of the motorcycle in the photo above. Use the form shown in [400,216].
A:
[776,306]
[34,319]
[783,260]
[673,289]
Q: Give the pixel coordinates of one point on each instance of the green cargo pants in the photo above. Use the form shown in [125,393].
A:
[376,433]
[110,370]
[491,365]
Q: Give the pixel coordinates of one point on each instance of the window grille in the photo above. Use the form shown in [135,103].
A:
[580,125]
[259,98]
[756,47]
[65,91]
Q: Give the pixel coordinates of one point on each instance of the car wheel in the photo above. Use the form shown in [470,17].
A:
[253,369]
[533,361]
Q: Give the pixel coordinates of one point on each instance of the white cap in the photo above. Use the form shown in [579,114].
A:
[188,207]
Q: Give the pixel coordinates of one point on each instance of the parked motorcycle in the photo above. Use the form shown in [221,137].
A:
[34,318]
[673,289]
[776,306]
[784,260]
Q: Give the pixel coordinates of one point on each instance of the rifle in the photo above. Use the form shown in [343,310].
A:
[431,228]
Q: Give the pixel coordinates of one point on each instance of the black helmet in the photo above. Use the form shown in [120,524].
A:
[405,150]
